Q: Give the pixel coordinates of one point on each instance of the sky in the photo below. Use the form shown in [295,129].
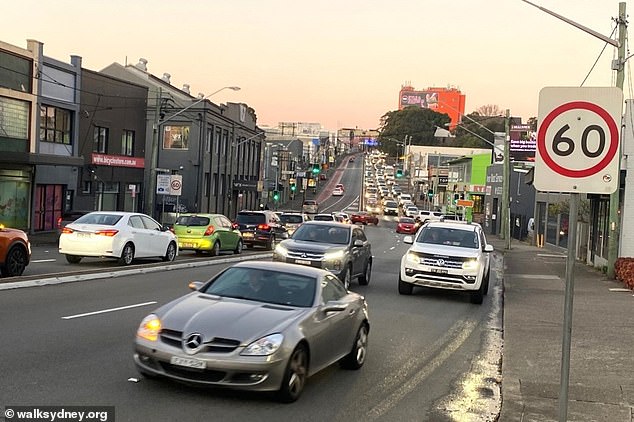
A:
[340,63]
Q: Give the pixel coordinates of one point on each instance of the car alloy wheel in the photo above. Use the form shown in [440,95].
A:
[73,259]
[346,279]
[127,255]
[403,287]
[356,358]
[215,250]
[170,254]
[239,246]
[365,278]
[295,375]
[15,262]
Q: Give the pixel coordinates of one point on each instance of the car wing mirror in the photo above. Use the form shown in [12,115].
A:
[234,225]
[408,239]
[488,248]
[195,285]
[358,243]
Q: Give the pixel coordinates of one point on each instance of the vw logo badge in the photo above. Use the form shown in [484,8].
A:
[193,343]
[440,262]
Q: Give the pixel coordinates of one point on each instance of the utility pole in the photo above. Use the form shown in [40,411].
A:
[615,222]
[150,193]
[506,174]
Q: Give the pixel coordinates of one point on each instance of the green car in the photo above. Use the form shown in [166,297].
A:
[207,232]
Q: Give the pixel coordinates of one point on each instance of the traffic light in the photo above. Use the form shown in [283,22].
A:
[455,198]
[399,173]
[276,195]
[292,183]
[316,168]
[430,193]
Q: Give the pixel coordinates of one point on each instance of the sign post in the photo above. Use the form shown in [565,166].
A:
[577,152]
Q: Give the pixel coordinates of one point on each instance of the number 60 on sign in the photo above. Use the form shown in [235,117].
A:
[578,140]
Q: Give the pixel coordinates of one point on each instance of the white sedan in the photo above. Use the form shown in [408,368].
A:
[120,235]
[337,192]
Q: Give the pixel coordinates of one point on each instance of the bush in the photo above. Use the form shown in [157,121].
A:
[624,271]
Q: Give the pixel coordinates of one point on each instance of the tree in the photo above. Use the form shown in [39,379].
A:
[489,110]
[417,122]
[473,123]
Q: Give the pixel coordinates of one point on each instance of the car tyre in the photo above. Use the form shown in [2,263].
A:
[239,247]
[15,262]
[477,297]
[356,358]
[295,376]
[346,278]
[364,279]
[170,254]
[73,259]
[127,254]
[403,287]
[486,282]
[270,243]
[215,250]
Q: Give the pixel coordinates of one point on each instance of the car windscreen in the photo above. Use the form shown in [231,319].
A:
[99,218]
[448,237]
[322,234]
[391,204]
[291,218]
[406,220]
[254,218]
[323,218]
[264,286]
[192,220]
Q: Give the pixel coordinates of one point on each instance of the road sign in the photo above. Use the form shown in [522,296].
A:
[176,185]
[464,203]
[578,140]
[163,184]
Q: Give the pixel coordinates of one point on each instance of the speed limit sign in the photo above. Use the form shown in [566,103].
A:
[578,140]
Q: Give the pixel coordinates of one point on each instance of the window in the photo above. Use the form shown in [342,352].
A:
[210,139]
[136,222]
[332,289]
[218,136]
[100,138]
[15,72]
[176,137]
[150,224]
[14,124]
[127,143]
[87,186]
[55,125]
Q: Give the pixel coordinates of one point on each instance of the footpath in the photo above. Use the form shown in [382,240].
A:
[601,381]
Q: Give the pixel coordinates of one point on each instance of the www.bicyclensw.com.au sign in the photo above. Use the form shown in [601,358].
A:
[578,140]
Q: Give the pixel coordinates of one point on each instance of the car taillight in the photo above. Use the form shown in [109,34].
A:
[264,227]
[107,233]
[59,222]
[209,231]
[66,230]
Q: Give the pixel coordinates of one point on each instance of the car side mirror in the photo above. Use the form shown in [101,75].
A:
[408,239]
[488,248]
[357,243]
[234,226]
[195,285]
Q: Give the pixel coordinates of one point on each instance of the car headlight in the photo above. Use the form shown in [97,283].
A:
[333,256]
[264,346]
[471,264]
[411,257]
[281,250]
[150,328]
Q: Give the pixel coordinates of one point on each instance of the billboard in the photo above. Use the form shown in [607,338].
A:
[425,99]
[523,143]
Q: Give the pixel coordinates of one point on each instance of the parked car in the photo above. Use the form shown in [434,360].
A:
[364,218]
[260,228]
[15,251]
[292,220]
[406,225]
[451,256]
[207,233]
[310,206]
[120,235]
[342,249]
[251,327]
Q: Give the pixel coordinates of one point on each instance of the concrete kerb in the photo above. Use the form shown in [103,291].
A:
[126,272]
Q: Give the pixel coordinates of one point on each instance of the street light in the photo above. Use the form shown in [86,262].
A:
[151,194]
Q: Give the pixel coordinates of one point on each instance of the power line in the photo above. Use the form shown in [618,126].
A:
[597,60]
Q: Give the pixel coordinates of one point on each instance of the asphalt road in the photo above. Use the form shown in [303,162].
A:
[432,356]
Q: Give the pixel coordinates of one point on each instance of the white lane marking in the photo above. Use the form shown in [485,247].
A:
[37,261]
[343,208]
[103,311]
[546,255]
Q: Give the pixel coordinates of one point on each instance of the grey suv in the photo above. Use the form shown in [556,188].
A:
[260,228]
[342,249]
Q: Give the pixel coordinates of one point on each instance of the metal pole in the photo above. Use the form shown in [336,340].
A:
[151,183]
[615,222]
[506,205]
[569,294]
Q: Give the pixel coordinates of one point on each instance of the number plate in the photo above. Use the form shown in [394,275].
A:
[188,362]
[303,262]
[439,270]
[83,235]
[247,235]
[188,245]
